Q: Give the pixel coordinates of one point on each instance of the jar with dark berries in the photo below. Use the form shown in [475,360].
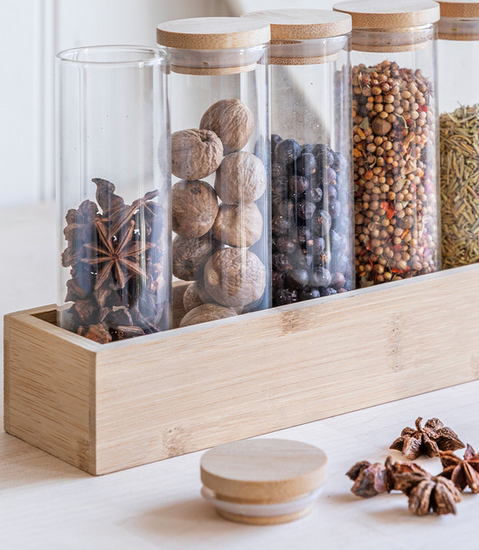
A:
[312,211]
[394,138]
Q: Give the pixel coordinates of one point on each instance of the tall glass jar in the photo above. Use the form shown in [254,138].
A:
[221,198]
[113,191]
[458,77]
[394,138]
[312,211]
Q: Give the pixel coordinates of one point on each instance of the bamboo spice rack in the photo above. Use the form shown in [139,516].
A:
[104,408]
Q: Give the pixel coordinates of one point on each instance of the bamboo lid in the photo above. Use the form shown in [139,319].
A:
[390,14]
[302,24]
[459,8]
[213,33]
[263,471]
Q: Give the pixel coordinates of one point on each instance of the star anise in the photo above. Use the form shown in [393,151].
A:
[369,479]
[116,255]
[463,472]
[428,440]
[427,492]
[373,479]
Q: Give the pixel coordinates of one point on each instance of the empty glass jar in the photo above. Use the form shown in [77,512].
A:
[113,191]
[395,138]
[221,197]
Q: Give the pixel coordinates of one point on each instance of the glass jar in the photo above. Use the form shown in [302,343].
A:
[113,191]
[312,212]
[458,80]
[221,198]
[394,138]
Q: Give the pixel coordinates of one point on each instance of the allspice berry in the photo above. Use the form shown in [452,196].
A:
[195,206]
[190,255]
[205,313]
[234,277]
[380,126]
[231,121]
[195,154]
[238,225]
[241,178]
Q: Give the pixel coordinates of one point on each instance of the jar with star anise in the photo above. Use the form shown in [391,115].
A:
[395,141]
[113,191]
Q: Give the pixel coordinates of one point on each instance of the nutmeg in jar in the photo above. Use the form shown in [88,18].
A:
[221,191]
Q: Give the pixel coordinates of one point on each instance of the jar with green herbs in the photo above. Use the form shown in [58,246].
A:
[458,44]
[394,138]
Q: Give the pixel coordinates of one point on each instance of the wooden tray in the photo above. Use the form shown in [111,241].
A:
[108,407]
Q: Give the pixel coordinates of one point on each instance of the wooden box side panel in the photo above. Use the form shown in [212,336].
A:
[200,387]
[49,392]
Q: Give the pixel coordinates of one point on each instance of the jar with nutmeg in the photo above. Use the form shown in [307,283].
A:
[312,195]
[395,145]
[221,191]
[113,191]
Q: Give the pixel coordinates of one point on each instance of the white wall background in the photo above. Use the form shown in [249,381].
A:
[32,31]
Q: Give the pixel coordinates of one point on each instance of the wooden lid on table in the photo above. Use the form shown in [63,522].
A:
[459,8]
[213,33]
[263,471]
[390,14]
[303,24]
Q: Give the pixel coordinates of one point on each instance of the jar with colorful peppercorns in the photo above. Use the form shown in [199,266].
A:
[394,138]
[312,202]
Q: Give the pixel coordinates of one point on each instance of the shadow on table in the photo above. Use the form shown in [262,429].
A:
[186,521]
[22,464]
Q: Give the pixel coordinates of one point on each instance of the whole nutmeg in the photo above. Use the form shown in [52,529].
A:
[240,178]
[205,313]
[231,121]
[234,277]
[195,154]
[190,255]
[195,207]
[380,126]
[194,296]
[238,225]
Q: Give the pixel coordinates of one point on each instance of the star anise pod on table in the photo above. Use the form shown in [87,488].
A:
[116,257]
[464,472]
[369,479]
[373,479]
[427,440]
[426,492]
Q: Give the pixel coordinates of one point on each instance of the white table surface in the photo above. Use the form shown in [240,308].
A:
[46,504]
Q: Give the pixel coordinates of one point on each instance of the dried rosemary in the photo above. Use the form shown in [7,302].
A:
[459,149]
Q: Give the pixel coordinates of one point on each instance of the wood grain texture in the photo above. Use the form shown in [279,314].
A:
[304,24]
[263,471]
[49,391]
[459,8]
[171,393]
[378,14]
[212,33]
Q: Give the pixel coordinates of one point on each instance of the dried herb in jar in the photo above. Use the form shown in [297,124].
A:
[394,173]
[459,147]
[116,255]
